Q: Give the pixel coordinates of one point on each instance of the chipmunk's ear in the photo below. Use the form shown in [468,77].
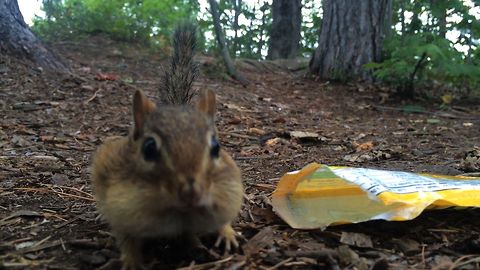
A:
[142,106]
[206,103]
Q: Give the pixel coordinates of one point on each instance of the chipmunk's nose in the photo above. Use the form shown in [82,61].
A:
[191,192]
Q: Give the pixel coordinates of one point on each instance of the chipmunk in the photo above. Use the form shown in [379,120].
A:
[169,176]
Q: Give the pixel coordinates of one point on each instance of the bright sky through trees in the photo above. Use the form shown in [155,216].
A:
[32,8]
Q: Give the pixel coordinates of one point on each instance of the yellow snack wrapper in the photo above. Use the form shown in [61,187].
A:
[318,196]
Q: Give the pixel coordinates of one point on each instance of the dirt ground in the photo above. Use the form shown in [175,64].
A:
[50,126]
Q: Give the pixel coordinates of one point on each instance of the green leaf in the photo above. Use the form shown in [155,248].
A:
[433,121]
[413,109]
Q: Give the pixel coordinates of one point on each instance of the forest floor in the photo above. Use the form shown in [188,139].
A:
[51,125]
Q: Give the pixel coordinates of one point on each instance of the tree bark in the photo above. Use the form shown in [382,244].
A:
[17,39]
[352,35]
[285,31]
[214,9]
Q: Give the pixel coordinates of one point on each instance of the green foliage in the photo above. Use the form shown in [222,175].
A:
[419,56]
[152,20]
[422,59]
[130,20]
[255,21]
[311,24]
[252,32]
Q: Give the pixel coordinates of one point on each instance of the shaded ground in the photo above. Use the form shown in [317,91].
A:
[50,127]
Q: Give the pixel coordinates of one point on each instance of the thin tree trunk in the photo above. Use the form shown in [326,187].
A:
[352,35]
[285,31]
[260,38]
[17,39]
[388,18]
[237,7]
[439,10]
[402,21]
[415,23]
[248,43]
[214,9]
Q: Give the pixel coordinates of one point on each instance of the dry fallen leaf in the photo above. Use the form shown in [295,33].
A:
[259,241]
[19,141]
[235,121]
[273,141]
[279,120]
[356,239]
[366,146]
[302,135]
[105,77]
[256,131]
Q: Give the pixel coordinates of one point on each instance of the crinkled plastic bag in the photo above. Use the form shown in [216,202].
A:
[318,196]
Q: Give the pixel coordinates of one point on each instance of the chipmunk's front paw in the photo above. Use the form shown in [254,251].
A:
[131,255]
[227,234]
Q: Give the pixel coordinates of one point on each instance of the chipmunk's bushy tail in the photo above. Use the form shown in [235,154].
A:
[178,78]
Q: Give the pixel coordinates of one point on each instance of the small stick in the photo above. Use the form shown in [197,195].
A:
[471,174]
[70,188]
[92,97]
[72,195]
[41,241]
[54,191]
[66,222]
[242,136]
[458,262]
[38,248]
[206,265]
[276,266]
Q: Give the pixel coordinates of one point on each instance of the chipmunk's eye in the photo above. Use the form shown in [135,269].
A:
[149,149]
[215,148]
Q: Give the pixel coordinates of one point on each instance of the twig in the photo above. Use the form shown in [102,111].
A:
[40,247]
[70,188]
[253,157]
[54,191]
[276,266]
[206,265]
[66,222]
[237,135]
[438,114]
[471,174]
[92,97]
[410,86]
[84,243]
[237,265]
[73,196]
[423,255]
[41,241]
[457,263]
[312,254]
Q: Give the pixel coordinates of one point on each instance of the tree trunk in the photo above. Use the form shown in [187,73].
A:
[223,45]
[17,39]
[402,21]
[389,18]
[352,35]
[260,42]
[439,11]
[237,7]
[285,31]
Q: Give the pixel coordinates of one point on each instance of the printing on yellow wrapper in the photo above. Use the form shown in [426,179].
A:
[318,196]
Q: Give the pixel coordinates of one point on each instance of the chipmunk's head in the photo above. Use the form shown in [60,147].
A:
[176,148]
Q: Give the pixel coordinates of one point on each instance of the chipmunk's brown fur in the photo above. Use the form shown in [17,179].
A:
[167,178]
